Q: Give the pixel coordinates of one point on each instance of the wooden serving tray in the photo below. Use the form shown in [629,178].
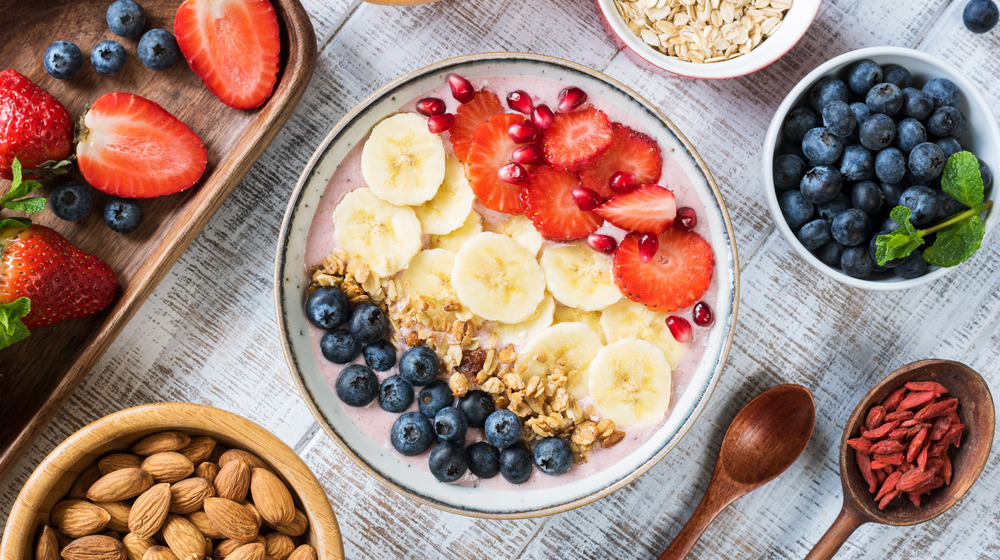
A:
[38,375]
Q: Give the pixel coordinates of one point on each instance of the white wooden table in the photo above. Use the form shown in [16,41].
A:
[208,332]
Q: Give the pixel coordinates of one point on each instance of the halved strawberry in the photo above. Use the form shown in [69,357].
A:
[630,152]
[233,46]
[576,138]
[491,149]
[548,195]
[470,115]
[676,276]
[647,209]
[133,148]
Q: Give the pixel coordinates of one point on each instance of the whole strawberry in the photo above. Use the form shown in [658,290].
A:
[34,126]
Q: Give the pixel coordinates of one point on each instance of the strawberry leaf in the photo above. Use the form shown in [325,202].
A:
[18,190]
[12,329]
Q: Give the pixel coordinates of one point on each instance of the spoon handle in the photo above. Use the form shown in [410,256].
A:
[836,535]
[719,495]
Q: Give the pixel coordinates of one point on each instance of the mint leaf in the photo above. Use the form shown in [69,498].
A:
[13,222]
[19,189]
[962,181]
[12,329]
[31,205]
[956,243]
[900,242]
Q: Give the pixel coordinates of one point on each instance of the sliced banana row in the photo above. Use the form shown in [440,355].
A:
[382,235]
[579,277]
[629,319]
[629,382]
[498,279]
[570,346]
[402,161]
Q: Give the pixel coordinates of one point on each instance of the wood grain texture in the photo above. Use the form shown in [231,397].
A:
[207,333]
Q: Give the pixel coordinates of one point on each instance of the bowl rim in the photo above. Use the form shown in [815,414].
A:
[968,89]
[18,542]
[284,327]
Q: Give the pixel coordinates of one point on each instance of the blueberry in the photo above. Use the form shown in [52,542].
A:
[792,148]
[912,266]
[927,161]
[891,193]
[857,163]
[484,459]
[368,323]
[873,247]
[503,428]
[888,225]
[158,49]
[909,133]
[108,58]
[946,121]
[885,98]
[788,171]
[943,91]
[339,346]
[419,365]
[553,455]
[896,74]
[890,165]
[917,104]
[357,385]
[987,174]
[380,355]
[863,76]
[825,91]
[448,461]
[830,253]
[949,146]
[328,308]
[821,146]
[434,397]
[839,119]
[412,433]
[867,196]
[799,121]
[922,202]
[795,208]
[515,463]
[856,262]
[851,227]
[126,18]
[828,210]
[980,16]
[814,234]
[123,215]
[395,395]
[948,205]
[477,406]
[70,201]
[877,132]
[821,184]
[450,424]
[861,113]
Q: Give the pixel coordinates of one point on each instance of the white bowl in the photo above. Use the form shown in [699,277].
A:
[797,20]
[983,139]
[378,458]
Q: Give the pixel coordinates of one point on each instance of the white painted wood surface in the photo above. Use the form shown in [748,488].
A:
[208,333]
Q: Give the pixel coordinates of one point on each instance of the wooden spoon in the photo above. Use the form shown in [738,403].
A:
[975,408]
[764,439]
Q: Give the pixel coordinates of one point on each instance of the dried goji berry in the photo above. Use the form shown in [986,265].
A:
[861,444]
[916,444]
[864,463]
[937,409]
[899,415]
[894,398]
[914,400]
[887,446]
[881,431]
[912,479]
[875,417]
[927,386]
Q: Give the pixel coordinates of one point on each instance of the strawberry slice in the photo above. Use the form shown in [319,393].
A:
[468,117]
[133,148]
[491,149]
[647,209]
[630,152]
[576,138]
[233,46]
[548,195]
[677,275]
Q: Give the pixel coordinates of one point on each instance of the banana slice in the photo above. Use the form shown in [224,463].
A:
[629,319]
[429,273]
[530,327]
[571,346]
[579,277]
[471,227]
[382,235]
[498,279]
[448,209]
[402,161]
[630,382]
[592,319]
[520,229]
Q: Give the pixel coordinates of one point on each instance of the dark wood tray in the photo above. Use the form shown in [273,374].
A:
[38,375]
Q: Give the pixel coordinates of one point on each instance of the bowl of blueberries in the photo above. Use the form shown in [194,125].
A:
[862,134]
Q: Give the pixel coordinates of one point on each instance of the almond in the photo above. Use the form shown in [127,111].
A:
[226,547]
[232,519]
[95,547]
[204,524]
[253,511]
[183,537]
[199,450]
[113,534]
[272,498]
[118,461]
[278,546]
[48,545]
[252,551]
[233,481]
[168,466]
[149,511]
[189,494]
[136,546]
[77,518]
[208,471]
[217,454]
[297,527]
[159,553]
[83,483]
[253,461]
[159,442]
[119,515]
[120,485]
[304,552]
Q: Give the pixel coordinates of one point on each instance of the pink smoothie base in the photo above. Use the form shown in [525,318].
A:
[377,423]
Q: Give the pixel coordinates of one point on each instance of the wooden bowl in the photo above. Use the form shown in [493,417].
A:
[53,478]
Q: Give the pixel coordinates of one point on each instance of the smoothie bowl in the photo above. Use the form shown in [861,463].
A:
[506,285]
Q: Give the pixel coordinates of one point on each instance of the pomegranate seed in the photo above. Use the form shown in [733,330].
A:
[702,314]
[603,243]
[461,89]
[440,123]
[648,245]
[512,173]
[542,117]
[622,182]
[680,328]
[586,199]
[571,98]
[528,155]
[522,133]
[430,106]
[686,219]
[520,101]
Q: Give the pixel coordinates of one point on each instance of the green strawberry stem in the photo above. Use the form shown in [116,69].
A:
[955,219]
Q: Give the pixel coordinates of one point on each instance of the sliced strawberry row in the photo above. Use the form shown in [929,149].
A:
[674,278]
[630,152]
[490,151]
[577,138]
[468,117]
[647,209]
[548,197]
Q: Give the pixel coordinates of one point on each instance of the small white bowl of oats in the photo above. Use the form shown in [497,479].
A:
[707,39]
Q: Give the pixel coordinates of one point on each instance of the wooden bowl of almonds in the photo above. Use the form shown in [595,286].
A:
[172,481]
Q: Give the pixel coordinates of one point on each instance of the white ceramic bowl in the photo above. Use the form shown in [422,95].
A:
[794,25]
[377,457]
[983,139]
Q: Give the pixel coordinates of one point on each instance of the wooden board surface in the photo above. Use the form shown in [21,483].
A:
[38,375]
[208,334]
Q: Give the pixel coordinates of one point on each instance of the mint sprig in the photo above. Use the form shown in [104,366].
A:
[12,329]
[15,197]
[959,236]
